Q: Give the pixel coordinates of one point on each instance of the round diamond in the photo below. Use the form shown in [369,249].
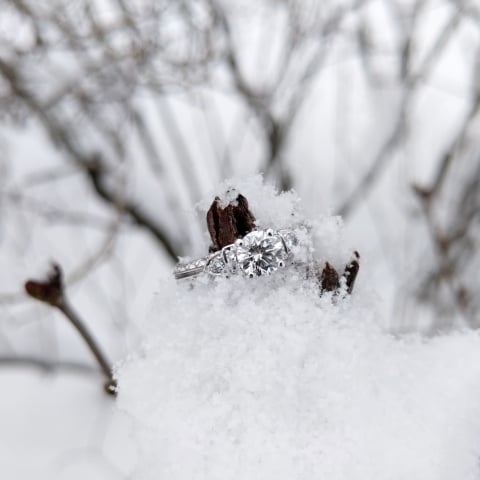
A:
[260,253]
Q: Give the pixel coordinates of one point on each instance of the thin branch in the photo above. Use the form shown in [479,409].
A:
[47,365]
[377,166]
[384,155]
[91,166]
[100,255]
[53,213]
[258,102]
[447,270]
[52,292]
[449,156]
[95,174]
[65,307]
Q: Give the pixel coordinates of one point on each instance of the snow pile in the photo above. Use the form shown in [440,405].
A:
[261,378]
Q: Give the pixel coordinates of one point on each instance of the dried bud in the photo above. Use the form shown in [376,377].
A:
[48,291]
[329,278]
[228,223]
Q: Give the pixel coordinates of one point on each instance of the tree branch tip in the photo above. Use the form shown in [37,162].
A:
[50,290]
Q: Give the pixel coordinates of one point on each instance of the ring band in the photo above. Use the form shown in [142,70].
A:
[260,252]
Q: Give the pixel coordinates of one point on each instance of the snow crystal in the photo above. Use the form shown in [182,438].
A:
[248,379]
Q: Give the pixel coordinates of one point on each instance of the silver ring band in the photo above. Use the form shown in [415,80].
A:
[260,252]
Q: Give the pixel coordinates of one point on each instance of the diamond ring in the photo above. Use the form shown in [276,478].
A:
[260,252]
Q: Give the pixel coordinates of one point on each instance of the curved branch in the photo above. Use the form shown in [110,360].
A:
[52,292]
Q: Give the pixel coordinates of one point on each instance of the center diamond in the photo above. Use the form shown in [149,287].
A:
[260,253]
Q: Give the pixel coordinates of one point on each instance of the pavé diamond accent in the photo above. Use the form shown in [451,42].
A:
[215,264]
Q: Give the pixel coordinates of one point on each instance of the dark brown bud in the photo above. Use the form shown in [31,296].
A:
[228,223]
[48,291]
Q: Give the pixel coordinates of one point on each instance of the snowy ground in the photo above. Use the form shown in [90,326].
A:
[262,379]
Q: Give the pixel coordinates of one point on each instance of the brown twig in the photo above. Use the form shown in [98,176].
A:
[52,292]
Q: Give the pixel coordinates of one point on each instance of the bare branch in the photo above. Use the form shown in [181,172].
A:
[52,292]
[385,153]
[46,365]
[95,173]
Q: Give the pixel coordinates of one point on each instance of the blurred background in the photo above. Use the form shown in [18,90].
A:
[118,116]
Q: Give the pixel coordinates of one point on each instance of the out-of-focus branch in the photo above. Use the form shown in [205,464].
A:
[52,292]
[446,270]
[101,254]
[380,161]
[46,365]
[411,80]
[95,173]
[449,156]
[94,170]
[19,200]
[455,250]
[454,244]
[290,88]
[257,101]
[91,166]
[180,144]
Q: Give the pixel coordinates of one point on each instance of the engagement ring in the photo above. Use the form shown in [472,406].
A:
[260,252]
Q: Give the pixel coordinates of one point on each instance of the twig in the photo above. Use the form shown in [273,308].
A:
[447,270]
[381,160]
[52,292]
[411,80]
[95,174]
[91,165]
[46,364]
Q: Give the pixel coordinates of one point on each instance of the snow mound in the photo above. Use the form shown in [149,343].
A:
[247,379]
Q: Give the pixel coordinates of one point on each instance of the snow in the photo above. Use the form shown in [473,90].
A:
[264,379]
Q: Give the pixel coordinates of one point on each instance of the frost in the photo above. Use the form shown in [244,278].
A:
[248,379]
